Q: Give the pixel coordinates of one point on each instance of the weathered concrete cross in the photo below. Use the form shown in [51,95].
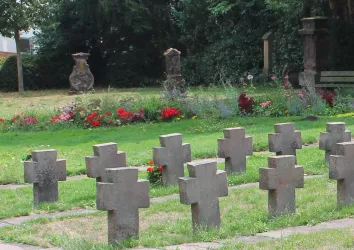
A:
[172,155]
[285,140]
[202,190]
[122,196]
[281,179]
[341,168]
[105,156]
[336,133]
[234,148]
[44,171]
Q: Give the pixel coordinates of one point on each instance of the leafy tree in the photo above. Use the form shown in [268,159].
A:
[17,16]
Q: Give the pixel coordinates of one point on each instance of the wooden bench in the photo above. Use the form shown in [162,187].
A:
[333,79]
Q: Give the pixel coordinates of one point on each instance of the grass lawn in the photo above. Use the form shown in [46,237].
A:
[138,140]
[81,193]
[327,239]
[243,212]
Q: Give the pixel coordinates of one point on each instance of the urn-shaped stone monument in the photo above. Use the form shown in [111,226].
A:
[174,81]
[81,78]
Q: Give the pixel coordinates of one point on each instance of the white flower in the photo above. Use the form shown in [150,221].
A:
[250,77]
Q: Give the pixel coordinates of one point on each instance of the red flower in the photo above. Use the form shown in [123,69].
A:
[160,168]
[150,163]
[245,103]
[108,113]
[169,113]
[1,119]
[125,115]
[95,123]
[150,169]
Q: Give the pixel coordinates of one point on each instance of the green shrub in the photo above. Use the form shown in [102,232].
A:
[8,75]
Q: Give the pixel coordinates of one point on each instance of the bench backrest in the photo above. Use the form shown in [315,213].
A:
[336,77]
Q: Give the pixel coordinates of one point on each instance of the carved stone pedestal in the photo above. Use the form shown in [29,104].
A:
[81,78]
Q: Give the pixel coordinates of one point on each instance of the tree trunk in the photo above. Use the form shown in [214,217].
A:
[19,63]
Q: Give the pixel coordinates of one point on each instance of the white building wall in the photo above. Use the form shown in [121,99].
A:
[7,44]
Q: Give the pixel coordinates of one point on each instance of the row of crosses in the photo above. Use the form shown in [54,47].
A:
[121,193]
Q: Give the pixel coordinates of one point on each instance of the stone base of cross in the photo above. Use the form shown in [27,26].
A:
[336,133]
[281,179]
[202,190]
[122,196]
[44,171]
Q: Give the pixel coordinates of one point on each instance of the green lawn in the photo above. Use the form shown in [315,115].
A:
[138,140]
[327,239]
[81,193]
[243,212]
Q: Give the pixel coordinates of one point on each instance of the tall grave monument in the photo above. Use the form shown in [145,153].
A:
[174,81]
[81,78]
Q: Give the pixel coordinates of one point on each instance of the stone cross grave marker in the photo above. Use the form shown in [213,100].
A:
[202,190]
[234,148]
[285,140]
[122,195]
[44,171]
[341,168]
[281,179]
[105,156]
[172,155]
[336,133]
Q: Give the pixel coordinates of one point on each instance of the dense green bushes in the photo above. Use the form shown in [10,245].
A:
[220,44]
[8,74]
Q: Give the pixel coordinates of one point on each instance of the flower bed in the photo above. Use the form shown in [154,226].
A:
[232,103]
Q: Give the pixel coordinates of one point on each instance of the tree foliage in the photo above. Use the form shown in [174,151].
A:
[220,40]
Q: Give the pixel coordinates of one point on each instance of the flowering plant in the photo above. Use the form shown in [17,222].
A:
[245,103]
[154,173]
[169,113]
[62,117]
[124,115]
[99,118]
[23,120]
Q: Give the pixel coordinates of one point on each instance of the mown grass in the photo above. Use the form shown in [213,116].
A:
[243,212]
[327,239]
[81,193]
[138,140]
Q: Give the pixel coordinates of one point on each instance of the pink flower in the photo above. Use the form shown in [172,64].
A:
[286,77]
[301,95]
[274,78]
[250,77]
[286,84]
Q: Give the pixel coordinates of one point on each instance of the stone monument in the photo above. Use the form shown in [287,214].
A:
[105,156]
[44,171]
[81,78]
[174,81]
[281,179]
[172,155]
[336,133]
[234,148]
[341,168]
[316,49]
[285,140]
[122,195]
[202,190]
